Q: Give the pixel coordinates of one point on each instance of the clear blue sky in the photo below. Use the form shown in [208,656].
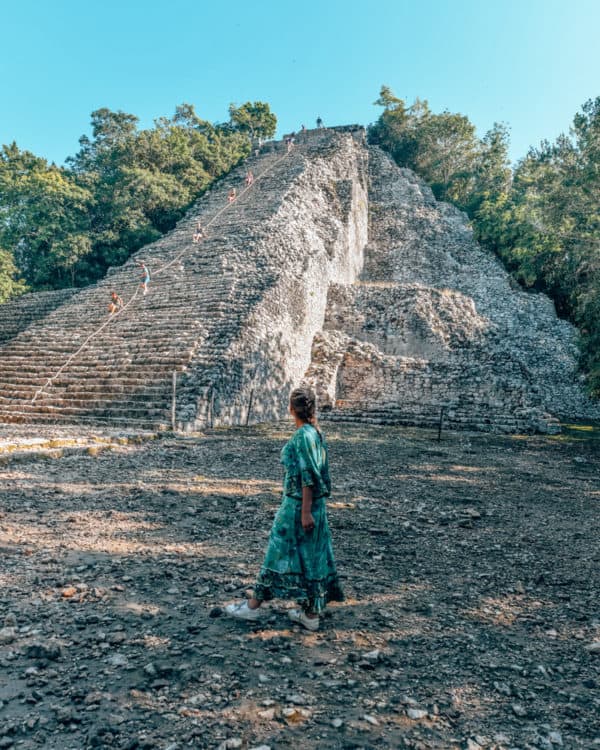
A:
[529,63]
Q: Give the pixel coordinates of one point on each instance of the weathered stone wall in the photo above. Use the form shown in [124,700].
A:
[436,321]
[17,315]
[314,238]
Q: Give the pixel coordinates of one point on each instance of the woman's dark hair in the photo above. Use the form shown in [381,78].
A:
[304,403]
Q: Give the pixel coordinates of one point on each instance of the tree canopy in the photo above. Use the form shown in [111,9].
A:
[254,118]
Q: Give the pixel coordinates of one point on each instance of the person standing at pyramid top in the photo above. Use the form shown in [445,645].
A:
[299,562]
[319,123]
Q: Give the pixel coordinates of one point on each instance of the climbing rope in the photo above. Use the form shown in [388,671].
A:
[158,271]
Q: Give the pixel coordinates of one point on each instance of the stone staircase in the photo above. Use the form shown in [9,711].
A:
[19,314]
[221,314]
[435,321]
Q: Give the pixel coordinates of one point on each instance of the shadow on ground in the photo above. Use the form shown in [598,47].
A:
[470,568]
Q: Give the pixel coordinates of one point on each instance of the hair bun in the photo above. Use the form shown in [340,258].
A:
[304,402]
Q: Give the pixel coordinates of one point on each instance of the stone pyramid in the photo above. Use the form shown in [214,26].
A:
[336,266]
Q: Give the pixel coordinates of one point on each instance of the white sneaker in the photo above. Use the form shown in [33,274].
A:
[241,611]
[297,615]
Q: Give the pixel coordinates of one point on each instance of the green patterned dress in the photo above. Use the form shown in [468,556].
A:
[298,565]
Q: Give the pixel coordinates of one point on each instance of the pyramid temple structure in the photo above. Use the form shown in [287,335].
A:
[336,267]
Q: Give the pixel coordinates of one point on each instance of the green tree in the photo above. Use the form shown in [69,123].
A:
[447,155]
[107,150]
[398,128]
[253,118]
[11,285]
[388,100]
[489,201]
[441,148]
[556,190]
[44,218]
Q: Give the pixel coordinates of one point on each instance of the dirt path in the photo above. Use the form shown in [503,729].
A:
[471,570]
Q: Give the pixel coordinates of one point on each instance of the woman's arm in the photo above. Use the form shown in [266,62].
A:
[308,522]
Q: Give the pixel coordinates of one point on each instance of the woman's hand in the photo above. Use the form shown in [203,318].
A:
[308,522]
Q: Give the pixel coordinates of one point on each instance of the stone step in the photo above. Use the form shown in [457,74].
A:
[89,356]
[119,410]
[148,407]
[474,421]
[17,417]
[88,379]
[93,372]
[90,390]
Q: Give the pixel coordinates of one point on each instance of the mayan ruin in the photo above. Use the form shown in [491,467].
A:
[300,376]
[337,267]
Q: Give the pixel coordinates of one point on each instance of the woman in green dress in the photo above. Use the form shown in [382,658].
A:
[299,562]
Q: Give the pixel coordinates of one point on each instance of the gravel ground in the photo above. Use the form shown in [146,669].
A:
[470,568]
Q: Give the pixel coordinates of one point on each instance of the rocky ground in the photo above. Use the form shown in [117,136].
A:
[470,567]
